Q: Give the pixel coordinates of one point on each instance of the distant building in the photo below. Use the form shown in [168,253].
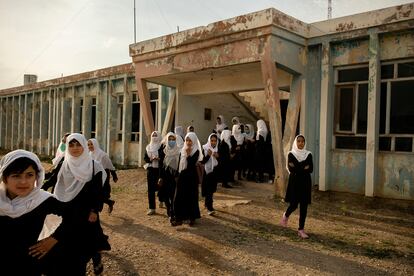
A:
[346,83]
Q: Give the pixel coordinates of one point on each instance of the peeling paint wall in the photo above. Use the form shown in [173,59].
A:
[396,176]
[397,45]
[347,172]
[350,52]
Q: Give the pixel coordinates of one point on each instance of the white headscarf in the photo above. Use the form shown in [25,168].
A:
[196,146]
[59,154]
[222,126]
[212,162]
[188,128]
[180,135]
[172,154]
[300,154]
[261,129]
[99,155]
[250,135]
[21,205]
[225,136]
[76,171]
[153,147]
[235,119]
[236,132]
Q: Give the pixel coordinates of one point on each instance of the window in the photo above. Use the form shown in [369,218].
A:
[396,110]
[351,103]
[136,110]
[93,118]
[154,106]
[120,111]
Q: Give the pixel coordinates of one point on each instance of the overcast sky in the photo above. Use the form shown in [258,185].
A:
[51,38]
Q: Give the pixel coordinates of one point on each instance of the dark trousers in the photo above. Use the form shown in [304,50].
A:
[208,201]
[152,179]
[303,210]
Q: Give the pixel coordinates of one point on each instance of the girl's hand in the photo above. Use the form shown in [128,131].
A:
[40,249]
[306,167]
[93,217]
[209,152]
[291,165]
[188,151]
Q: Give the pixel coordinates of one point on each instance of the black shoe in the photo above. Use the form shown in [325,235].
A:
[192,222]
[227,186]
[176,222]
[111,206]
[98,268]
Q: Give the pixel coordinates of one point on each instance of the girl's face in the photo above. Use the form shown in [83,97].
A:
[171,138]
[188,142]
[20,184]
[218,120]
[90,146]
[75,148]
[213,141]
[300,142]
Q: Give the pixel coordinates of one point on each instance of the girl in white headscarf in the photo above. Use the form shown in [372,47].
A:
[249,152]
[300,166]
[237,151]
[186,194]
[102,157]
[169,171]
[261,155]
[221,125]
[79,182]
[224,148]
[179,131]
[154,155]
[210,161]
[23,208]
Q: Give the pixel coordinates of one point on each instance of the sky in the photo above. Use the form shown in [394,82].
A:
[54,38]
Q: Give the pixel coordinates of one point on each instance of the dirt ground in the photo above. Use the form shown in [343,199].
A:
[349,235]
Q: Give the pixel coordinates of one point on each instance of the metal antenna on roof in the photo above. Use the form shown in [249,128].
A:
[329,9]
[135,25]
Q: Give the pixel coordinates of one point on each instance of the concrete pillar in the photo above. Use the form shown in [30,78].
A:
[75,120]
[326,117]
[66,117]
[2,117]
[21,121]
[374,85]
[144,99]
[34,146]
[51,114]
[44,122]
[126,123]
[292,113]
[27,133]
[104,107]
[100,116]
[111,118]
[269,75]
[86,114]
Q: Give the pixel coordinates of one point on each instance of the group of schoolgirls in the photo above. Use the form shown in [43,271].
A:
[250,155]
[58,232]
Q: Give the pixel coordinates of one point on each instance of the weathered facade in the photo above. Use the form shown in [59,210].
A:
[346,83]
[350,84]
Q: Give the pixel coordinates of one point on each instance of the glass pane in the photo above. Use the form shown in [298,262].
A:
[402,107]
[346,102]
[350,142]
[387,71]
[93,101]
[153,95]
[362,108]
[385,143]
[356,74]
[135,117]
[120,99]
[383,107]
[121,116]
[406,69]
[119,136]
[404,144]
[154,112]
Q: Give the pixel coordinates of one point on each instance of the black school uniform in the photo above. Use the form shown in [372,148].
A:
[167,190]
[18,234]
[153,174]
[186,193]
[224,168]
[209,184]
[260,158]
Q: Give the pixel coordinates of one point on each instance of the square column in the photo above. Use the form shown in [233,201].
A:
[373,114]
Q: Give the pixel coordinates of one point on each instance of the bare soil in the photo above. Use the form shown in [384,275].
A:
[349,235]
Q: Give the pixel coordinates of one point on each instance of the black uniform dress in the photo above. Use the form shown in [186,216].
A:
[106,190]
[224,167]
[18,234]
[299,189]
[209,185]
[153,174]
[186,193]
[167,190]
[82,239]
[260,158]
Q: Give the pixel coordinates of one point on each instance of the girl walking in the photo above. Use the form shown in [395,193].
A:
[102,157]
[300,166]
[209,185]
[186,193]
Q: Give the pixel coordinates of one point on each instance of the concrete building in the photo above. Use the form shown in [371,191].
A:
[346,83]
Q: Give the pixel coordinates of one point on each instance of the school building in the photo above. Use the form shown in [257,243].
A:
[347,84]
